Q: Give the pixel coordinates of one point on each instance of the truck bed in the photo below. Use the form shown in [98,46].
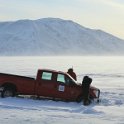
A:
[5,74]
[24,85]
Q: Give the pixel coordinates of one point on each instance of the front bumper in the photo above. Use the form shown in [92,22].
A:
[97,94]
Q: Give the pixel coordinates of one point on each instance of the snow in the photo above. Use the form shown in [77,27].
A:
[107,74]
[54,36]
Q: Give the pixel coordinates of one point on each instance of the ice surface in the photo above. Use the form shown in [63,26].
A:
[107,74]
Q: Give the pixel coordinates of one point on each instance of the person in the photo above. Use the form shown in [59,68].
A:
[72,73]
[86,89]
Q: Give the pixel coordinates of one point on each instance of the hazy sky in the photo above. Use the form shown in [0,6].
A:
[107,15]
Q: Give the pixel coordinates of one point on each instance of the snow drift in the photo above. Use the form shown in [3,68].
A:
[53,36]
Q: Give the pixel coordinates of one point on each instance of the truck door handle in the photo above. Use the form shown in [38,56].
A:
[39,83]
[55,86]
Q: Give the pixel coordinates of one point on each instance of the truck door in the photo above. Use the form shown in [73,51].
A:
[66,87]
[46,85]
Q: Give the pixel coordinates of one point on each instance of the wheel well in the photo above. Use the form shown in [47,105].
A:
[10,85]
[79,98]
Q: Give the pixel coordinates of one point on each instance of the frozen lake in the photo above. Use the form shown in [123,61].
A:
[107,74]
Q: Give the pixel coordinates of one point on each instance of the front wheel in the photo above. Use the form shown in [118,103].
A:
[79,99]
[7,92]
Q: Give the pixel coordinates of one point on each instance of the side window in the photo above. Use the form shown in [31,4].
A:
[46,76]
[61,78]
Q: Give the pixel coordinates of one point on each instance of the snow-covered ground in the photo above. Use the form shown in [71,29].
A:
[107,74]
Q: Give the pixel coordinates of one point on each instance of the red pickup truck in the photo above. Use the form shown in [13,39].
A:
[48,83]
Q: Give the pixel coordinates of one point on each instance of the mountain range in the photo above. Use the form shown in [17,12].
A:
[54,36]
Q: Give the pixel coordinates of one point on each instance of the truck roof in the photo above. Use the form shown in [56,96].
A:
[50,70]
[55,71]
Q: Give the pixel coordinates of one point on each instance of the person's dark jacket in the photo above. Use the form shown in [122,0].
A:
[86,86]
[72,73]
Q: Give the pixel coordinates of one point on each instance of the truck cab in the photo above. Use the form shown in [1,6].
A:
[60,85]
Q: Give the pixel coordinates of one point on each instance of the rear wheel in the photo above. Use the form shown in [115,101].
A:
[7,92]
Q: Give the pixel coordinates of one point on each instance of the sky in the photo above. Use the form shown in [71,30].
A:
[107,15]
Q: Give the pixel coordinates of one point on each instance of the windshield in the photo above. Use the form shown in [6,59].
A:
[65,79]
[72,80]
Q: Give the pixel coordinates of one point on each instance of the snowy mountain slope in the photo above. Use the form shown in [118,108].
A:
[52,36]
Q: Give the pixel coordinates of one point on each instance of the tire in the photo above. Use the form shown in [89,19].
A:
[7,92]
[79,99]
